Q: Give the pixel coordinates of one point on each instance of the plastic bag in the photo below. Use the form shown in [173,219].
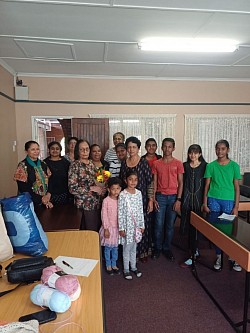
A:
[23,227]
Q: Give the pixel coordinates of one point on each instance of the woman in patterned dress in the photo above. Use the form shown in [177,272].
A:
[32,176]
[82,184]
[140,165]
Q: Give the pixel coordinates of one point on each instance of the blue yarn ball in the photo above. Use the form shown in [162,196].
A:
[45,296]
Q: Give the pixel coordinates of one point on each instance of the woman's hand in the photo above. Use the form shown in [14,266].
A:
[49,205]
[142,230]
[96,189]
[46,198]
[150,207]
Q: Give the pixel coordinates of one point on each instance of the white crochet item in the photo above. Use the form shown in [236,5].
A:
[31,326]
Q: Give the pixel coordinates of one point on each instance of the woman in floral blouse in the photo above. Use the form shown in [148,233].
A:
[82,184]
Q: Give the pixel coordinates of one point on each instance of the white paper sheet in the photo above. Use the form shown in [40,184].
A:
[80,266]
[227,217]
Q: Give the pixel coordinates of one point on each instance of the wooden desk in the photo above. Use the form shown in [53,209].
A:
[61,217]
[236,245]
[87,311]
[244,205]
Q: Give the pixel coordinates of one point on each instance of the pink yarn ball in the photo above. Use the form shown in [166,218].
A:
[54,277]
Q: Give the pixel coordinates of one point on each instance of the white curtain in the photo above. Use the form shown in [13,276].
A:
[143,127]
[206,130]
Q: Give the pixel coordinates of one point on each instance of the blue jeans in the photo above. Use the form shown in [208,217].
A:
[217,207]
[111,256]
[164,222]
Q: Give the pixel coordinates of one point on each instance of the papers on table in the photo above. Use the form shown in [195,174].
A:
[227,217]
[76,266]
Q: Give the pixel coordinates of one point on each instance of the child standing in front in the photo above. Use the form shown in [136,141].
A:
[130,218]
[109,230]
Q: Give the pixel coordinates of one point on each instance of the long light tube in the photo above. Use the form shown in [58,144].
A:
[188,44]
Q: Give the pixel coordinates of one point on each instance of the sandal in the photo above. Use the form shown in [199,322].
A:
[127,276]
[137,273]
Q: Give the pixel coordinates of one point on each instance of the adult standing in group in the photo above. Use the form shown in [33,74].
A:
[32,175]
[168,184]
[111,157]
[151,157]
[134,163]
[96,157]
[70,155]
[192,196]
[82,184]
[58,181]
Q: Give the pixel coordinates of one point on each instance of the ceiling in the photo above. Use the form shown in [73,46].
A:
[100,38]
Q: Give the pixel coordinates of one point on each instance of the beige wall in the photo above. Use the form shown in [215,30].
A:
[115,91]
[8,157]
[133,91]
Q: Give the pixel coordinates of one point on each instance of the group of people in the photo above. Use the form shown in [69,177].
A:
[138,205]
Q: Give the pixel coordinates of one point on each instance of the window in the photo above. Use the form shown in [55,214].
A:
[206,130]
[143,127]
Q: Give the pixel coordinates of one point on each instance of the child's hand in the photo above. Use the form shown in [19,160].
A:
[122,233]
[205,209]
[106,233]
[142,230]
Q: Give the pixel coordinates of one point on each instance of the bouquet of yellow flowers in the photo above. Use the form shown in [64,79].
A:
[102,177]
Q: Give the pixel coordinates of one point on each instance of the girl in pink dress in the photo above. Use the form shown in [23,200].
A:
[109,229]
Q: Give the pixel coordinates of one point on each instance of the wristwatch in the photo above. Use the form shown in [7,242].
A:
[178,199]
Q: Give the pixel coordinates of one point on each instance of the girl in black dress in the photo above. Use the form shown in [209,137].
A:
[192,196]
[59,167]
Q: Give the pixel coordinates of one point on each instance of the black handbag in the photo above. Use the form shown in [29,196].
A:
[27,269]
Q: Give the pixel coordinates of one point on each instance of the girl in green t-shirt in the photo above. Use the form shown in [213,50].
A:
[222,191]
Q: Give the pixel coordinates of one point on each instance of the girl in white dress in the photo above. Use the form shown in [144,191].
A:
[130,219]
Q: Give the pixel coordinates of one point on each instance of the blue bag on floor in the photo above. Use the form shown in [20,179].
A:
[23,227]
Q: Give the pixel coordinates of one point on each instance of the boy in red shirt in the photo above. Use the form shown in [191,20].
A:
[168,185]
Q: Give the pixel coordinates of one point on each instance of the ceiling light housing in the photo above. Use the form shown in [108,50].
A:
[188,45]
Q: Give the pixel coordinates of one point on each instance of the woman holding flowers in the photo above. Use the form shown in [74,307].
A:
[96,157]
[83,185]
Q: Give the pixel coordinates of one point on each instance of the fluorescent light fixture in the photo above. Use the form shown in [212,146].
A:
[188,44]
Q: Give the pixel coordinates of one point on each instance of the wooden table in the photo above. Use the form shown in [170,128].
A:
[61,217]
[87,310]
[235,244]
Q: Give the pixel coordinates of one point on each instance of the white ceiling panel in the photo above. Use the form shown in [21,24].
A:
[99,38]
[197,5]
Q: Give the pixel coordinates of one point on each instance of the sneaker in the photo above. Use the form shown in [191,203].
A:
[187,263]
[127,276]
[137,273]
[237,267]
[217,265]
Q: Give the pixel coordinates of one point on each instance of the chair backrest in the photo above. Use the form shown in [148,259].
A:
[245,191]
[246,179]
